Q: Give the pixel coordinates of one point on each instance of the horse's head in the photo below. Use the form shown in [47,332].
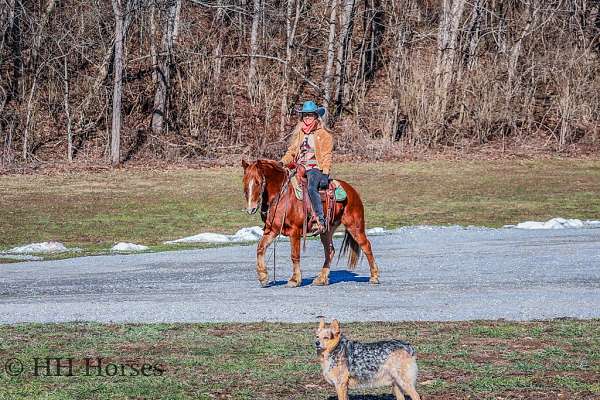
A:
[261,176]
[254,184]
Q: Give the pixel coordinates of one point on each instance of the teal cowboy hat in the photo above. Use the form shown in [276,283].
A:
[311,107]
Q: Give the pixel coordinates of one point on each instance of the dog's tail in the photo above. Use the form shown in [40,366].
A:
[355,251]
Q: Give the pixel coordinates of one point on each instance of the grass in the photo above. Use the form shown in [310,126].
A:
[480,360]
[95,210]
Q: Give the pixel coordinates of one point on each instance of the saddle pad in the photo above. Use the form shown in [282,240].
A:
[340,193]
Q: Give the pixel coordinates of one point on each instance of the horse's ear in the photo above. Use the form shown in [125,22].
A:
[245,164]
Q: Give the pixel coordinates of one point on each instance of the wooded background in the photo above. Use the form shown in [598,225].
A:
[122,80]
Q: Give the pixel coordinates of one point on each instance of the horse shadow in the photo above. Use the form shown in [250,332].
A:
[334,277]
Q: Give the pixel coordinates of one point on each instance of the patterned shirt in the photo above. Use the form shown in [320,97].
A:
[307,156]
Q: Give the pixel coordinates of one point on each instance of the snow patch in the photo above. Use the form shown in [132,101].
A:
[250,234]
[44,247]
[556,223]
[201,238]
[247,234]
[124,246]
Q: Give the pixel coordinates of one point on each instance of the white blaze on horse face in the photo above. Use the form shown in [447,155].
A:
[250,194]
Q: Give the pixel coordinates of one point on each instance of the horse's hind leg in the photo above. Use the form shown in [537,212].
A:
[357,230]
[296,279]
[327,240]
[261,266]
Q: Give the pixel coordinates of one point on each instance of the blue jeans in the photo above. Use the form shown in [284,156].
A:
[316,180]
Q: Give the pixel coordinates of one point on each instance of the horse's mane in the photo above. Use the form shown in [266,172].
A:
[269,167]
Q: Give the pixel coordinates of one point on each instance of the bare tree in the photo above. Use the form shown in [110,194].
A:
[252,73]
[290,31]
[330,55]
[118,10]
[16,18]
[451,15]
[164,66]
[343,57]
[473,34]
[37,40]
[218,50]
[516,48]
[68,112]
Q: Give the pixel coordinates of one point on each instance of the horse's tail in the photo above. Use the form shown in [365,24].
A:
[355,252]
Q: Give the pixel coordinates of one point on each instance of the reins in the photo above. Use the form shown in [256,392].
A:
[276,201]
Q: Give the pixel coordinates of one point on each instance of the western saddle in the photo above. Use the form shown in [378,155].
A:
[327,197]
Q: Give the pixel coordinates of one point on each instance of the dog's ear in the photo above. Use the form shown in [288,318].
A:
[322,323]
[245,164]
[335,327]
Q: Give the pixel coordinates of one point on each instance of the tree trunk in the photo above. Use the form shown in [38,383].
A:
[374,28]
[37,39]
[252,74]
[28,117]
[517,46]
[452,11]
[16,90]
[346,27]
[397,124]
[164,68]
[218,51]
[7,14]
[330,57]
[68,113]
[118,82]
[290,36]
[153,51]
[474,34]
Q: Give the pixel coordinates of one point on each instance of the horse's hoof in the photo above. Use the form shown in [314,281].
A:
[292,283]
[320,282]
[374,281]
[264,283]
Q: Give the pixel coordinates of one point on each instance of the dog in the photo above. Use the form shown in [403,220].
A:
[350,364]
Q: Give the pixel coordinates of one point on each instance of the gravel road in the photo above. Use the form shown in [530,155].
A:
[426,273]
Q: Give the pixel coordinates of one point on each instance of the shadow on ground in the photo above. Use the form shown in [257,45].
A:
[334,277]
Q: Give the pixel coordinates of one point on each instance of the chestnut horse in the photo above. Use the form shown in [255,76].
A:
[266,188]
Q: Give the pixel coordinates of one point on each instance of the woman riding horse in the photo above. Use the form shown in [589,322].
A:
[266,186]
[312,147]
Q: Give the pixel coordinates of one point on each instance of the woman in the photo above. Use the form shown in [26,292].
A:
[312,147]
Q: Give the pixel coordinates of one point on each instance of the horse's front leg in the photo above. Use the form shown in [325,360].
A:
[296,279]
[261,266]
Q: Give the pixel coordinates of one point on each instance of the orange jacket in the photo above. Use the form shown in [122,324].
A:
[323,147]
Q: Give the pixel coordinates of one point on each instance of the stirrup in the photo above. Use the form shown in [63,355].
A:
[320,228]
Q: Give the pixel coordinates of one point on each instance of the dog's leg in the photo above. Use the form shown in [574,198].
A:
[342,391]
[358,233]
[397,392]
[261,266]
[296,279]
[327,240]
[412,392]
[405,387]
